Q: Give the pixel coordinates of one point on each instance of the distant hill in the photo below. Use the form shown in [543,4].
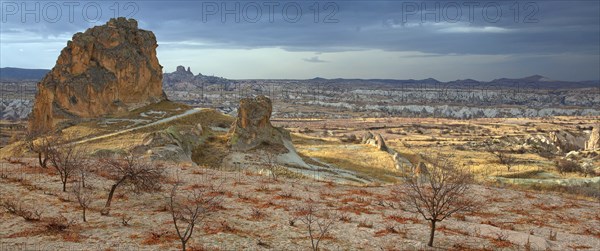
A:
[181,79]
[19,74]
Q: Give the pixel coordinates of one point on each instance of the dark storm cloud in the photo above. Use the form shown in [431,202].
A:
[549,27]
[554,31]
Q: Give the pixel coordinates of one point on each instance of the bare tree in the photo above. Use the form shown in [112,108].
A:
[66,158]
[142,175]
[318,222]
[192,211]
[503,157]
[39,143]
[84,197]
[442,193]
[272,163]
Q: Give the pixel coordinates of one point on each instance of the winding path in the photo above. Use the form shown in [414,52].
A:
[158,122]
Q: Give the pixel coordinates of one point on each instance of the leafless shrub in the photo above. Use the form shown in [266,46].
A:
[131,170]
[125,220]
[503,157]
[443,192]
[286,195]
[318,222]
[552,235]
[263,244]
[58,224]
[84,198]
[365,224]
[188,213]
[527,245]
[345,217]
[502,236]
[272,165]
[567,166]
[14,206]
[257,214]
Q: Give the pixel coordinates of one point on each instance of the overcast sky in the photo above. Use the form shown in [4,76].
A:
[482,40]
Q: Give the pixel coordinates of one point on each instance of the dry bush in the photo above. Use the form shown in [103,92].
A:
[84,198]
[501,240]
[131,170]
[14,206]
[58,224]
[220,227]
[158,237]
[441,193]
[391,229]
[568,166]
[344,217]
[192,211]
[503,157]
[257,214]
[454,231]
[125,220]
[552,235]
[403,220]
[318,222]
[66,158]
[272,164]
[365,224]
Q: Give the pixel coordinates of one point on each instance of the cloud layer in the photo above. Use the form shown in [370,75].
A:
[507,36]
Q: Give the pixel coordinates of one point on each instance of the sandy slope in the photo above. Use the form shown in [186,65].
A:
[257,211]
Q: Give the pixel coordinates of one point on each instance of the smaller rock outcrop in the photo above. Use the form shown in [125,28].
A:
[593,143]
[380,143]
[400,163]
[366,137]
[253,128]
[567,141]
[374,140]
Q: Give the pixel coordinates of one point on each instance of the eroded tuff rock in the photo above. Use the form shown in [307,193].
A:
[374,140]
[105,70]
[400,163]
[566,141]
[593,143]
[253,128]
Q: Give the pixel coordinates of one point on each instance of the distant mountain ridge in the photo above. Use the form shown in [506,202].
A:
[183,75]
[20,74]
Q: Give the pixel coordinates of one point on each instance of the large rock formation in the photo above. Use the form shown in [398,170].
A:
[593,143]
[253,128]
[105,70]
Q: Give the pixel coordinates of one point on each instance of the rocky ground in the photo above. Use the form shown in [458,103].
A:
[257,212]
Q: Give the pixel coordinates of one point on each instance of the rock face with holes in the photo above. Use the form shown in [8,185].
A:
[105,70]
[253,128]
